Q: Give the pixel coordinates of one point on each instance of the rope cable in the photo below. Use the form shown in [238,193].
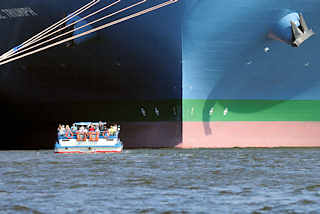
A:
[94,30]
[66,33]
[73,23]
[50,28]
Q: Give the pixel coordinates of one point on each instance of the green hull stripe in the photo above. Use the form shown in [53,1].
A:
[251,110]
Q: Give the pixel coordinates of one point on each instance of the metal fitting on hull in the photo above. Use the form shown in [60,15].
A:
[302,33]
[291,29]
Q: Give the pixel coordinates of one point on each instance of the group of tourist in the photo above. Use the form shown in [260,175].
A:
[101,128]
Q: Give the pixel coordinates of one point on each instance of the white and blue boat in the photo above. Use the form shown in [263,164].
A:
[77,141]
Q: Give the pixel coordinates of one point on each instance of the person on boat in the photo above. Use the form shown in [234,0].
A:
[83,130]
[86,132]
[101,127]
[69,133]
[74,128]
[62,130]
[91,129]
[105,133]
[81,133]
[112,131]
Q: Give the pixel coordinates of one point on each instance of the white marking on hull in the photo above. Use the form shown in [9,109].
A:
[17,12]
[225,112]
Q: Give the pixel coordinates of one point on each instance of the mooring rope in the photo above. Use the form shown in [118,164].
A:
[74,23]
[93,30]
[50,28]
[71,31]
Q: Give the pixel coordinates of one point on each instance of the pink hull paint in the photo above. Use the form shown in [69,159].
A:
[250,134]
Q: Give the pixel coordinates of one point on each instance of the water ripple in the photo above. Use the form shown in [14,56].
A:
[162,181]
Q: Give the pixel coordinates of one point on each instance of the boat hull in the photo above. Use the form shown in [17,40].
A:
[87,147]
[79,150]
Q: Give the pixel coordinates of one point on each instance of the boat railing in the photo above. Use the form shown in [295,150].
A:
[91,136]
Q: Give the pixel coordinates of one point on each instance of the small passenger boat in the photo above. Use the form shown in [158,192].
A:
[83,138]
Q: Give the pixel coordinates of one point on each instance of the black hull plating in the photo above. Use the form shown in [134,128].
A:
[109,77]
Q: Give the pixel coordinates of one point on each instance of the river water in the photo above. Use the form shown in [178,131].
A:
[162,181]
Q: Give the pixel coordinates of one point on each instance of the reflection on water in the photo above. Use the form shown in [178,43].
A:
[161,181]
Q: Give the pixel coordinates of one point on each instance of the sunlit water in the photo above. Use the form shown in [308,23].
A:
[162,181]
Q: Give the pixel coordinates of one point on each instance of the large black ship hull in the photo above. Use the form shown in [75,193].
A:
[112,76]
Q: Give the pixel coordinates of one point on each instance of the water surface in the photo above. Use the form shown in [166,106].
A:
[162,181]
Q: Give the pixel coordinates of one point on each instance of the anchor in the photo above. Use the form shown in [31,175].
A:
[301,33]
